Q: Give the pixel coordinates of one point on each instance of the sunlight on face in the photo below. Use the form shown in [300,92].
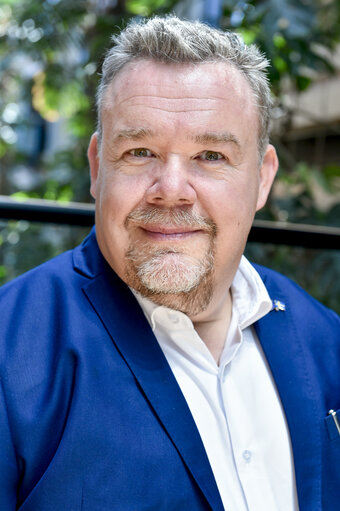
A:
[177,179]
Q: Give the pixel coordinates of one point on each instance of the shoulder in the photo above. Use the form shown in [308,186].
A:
[38,282]
[38,306]
[299,301]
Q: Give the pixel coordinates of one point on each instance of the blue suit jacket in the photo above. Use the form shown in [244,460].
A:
[91,416]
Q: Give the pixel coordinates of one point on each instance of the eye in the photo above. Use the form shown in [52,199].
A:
[211,156]
[141,152]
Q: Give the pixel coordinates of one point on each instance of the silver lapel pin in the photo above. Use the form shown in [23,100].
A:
[279,306]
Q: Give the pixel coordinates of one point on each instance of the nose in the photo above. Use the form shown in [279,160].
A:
[171,186]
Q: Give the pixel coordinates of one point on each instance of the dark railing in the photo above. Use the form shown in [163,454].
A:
[78,214]
[46,211]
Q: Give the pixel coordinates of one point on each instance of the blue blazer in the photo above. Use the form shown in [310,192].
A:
[91,416]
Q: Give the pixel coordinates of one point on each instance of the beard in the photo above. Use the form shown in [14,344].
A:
[170,276]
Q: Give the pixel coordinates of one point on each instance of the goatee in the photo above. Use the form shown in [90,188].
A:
[169,276]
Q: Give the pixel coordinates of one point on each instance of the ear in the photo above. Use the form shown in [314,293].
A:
[93,157]
[267,174]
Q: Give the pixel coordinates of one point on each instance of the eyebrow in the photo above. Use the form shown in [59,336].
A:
[216,138]
[133,134]
[203,138]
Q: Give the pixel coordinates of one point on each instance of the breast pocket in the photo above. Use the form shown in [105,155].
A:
[332,422]
[330,463]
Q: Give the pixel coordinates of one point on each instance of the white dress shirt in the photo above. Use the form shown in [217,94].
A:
[235,404]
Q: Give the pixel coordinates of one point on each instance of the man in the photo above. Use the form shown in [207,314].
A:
[153,368]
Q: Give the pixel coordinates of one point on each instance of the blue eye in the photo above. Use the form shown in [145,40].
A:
[141,152]
[211,156]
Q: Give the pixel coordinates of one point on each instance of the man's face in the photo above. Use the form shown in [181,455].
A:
[177,178]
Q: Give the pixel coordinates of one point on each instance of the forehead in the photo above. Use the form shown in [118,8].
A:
[209,79]
[180,94]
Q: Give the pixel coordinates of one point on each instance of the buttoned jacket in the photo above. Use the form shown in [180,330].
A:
[92,418]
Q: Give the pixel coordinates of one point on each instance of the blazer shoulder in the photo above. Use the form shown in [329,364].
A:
[283,288]
[58,265]
[58,271]
[35,304]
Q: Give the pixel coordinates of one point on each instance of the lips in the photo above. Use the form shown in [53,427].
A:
[162,232]
[170,222]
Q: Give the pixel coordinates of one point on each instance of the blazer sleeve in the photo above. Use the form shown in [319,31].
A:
[8,462]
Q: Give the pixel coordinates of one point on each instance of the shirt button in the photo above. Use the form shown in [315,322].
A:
[247,456]
[174,318]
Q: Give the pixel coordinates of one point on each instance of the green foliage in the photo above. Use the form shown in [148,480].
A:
[305,194]
[147,7]
[296,35]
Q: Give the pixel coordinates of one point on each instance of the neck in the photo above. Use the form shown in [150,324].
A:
[208,306]
[212,325]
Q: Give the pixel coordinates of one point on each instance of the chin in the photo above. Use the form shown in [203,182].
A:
[172,273]
[174,280]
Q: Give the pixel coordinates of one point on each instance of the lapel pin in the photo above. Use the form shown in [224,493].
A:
[278,306]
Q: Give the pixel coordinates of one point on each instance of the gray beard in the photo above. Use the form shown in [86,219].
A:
[168,276]
[191,301]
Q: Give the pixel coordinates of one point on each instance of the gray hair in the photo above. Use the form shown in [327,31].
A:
[169,39]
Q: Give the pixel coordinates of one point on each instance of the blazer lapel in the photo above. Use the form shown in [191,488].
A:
[284,351]
[132,335]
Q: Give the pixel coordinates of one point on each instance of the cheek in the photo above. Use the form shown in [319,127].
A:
[119,195]
[234,197]
[231,206]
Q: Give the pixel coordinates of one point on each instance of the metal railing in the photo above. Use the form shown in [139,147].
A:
[79,214]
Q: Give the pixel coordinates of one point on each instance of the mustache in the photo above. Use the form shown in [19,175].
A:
[174,217]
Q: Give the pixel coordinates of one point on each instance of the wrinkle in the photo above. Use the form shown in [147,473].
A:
[173,98]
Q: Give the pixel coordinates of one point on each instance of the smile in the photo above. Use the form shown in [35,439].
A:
[167,233]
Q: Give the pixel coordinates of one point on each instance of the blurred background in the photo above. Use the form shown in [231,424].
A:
[50,58]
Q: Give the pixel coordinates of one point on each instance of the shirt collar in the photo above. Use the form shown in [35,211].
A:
[250,298]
